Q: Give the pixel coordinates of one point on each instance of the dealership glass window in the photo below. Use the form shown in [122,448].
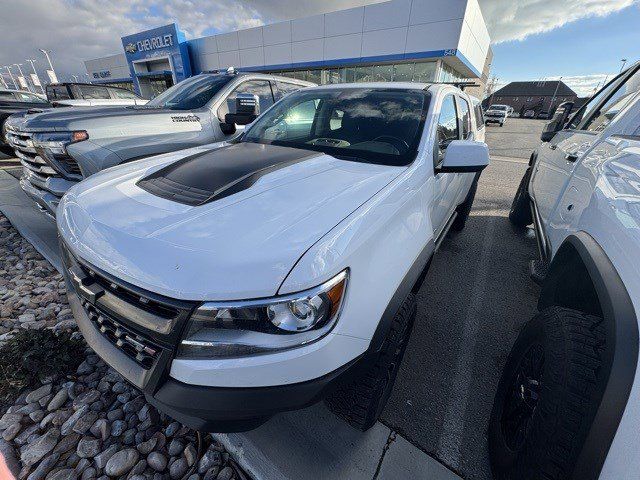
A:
[93,92]
[261,88]
[314,76]
[447,130]
[403,72]
[424,72]
[121,93]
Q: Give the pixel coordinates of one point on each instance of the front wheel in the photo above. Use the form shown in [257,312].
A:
[547,396]
[361,401]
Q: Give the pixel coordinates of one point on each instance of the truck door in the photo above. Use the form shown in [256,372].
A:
[557,159]
[443,192]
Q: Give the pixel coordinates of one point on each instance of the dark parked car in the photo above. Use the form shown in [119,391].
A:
[13,101]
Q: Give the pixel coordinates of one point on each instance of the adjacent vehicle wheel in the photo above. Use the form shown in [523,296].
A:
[465,208]
[520,213]
[547,397]
[361,401]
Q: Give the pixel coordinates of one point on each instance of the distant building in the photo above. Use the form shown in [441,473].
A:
[536,99]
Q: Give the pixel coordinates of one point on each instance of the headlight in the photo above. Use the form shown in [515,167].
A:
[231,329]
[56,142]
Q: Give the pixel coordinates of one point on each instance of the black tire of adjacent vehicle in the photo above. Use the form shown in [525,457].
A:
[465,208]
[573,344]
[361,401]
[520,213]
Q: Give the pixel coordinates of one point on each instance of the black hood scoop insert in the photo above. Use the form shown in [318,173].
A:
[208,176]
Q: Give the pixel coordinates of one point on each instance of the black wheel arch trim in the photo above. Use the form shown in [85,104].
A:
[621,352]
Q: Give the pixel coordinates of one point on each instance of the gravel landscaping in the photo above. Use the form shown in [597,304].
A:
[89,423]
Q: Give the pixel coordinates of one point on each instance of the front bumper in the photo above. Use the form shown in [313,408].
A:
[46,192]
[204,408]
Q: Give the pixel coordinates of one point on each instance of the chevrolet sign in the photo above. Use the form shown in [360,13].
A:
[149,44]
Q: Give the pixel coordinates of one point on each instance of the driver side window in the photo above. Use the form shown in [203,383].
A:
[447,130]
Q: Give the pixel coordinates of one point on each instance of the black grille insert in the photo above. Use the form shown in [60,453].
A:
[138,348]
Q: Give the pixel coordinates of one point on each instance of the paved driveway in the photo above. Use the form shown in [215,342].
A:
[474,301]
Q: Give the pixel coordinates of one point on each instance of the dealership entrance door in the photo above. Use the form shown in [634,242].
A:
[154,76]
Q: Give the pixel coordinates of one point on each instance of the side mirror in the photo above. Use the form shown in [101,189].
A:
[247,110]
[464,156]
[558,122]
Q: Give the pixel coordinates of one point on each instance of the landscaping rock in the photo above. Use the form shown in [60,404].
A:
[121,462]
[34,452]
[157,461]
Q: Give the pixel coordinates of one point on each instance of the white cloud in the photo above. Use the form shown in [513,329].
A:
[76,30]
[585,85]
[518,19]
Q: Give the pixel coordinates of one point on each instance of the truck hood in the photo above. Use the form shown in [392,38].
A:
[108,121]
[238,244]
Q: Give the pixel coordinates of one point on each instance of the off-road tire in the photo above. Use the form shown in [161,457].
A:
[520,213]
[570,390]
[361,401]
[464,208]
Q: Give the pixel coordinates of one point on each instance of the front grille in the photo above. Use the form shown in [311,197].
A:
[141,324]
[62,165]
[136,347]
[139,301]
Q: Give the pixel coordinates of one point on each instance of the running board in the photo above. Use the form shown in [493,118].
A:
[445,230]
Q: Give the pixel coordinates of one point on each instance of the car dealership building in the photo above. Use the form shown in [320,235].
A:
[399,40]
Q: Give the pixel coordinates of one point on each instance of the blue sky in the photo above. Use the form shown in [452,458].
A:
[587,48]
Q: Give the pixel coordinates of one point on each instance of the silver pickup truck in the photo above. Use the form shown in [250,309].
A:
[60,147]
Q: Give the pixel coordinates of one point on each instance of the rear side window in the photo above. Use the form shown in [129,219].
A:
[29,97]
[465,117]
[7,97]
[447,130]
[608,111]
[285,88]
[58,92]
[92,92]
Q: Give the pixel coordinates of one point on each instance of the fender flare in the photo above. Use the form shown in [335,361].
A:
[621,351]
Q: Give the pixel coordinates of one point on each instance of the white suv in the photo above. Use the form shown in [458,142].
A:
[235,281]
[568,403]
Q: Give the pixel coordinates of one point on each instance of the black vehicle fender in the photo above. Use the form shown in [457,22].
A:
[581,276]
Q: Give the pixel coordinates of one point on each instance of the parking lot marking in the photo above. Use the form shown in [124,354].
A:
[509,160]
[450,440]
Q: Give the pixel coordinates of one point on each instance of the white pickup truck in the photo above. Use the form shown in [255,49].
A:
[234,281]
[568,403]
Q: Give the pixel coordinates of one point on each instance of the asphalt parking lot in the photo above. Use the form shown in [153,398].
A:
[475,299]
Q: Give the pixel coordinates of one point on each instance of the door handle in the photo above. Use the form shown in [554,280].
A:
[571,156]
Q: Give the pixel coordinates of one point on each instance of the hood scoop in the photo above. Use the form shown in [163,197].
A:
[204,177]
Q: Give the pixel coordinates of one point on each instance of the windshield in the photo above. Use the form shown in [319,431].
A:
[363,124]
[190,94]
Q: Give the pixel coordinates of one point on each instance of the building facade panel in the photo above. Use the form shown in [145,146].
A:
[228,42]
[277,33]
[307,51]
[343,46]
[391,41]
[344,22]
[308,28]
[250,38]
[252,57]
[278,54]
[387,15]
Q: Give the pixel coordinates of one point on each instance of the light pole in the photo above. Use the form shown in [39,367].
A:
[13,80]
[46,54]
[553,99]
[624,62]
[19,65]
[32,61]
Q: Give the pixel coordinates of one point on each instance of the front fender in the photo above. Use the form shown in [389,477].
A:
[578,256]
